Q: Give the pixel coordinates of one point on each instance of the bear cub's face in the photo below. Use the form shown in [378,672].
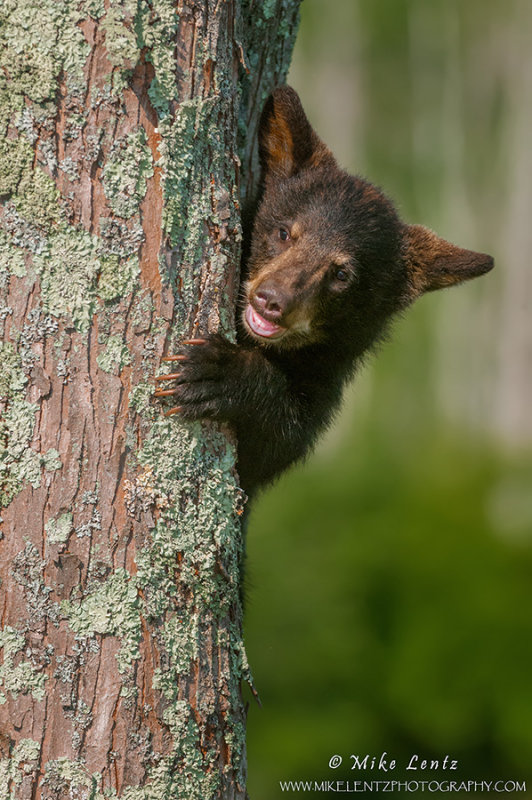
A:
[325,253]
[329,253]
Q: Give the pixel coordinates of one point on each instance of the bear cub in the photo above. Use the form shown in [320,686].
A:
[329,264]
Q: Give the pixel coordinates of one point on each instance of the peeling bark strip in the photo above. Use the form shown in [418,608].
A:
[121,652]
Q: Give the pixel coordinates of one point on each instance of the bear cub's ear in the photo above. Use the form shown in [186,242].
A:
[432,263]
[287,142]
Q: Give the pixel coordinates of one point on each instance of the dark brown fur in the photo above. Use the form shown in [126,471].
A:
[329,264]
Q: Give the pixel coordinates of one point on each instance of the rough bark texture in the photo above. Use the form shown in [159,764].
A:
[121,653]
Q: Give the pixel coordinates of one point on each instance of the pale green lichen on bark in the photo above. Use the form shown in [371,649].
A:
[165,783]
[67,778]
[140,399]
[12,769]
[74,267]
[18,676]
[127,168]
[51,460]
[198,533]
[12,261]
[37,199]
[115,356]
[179,159]
[194,532]
[16,158]
[157,25]
[193,208]
[27,569]
[120,40]
[34,55]
[68,268]
[173,455]
[187,157]
[93,8]
[19,463]
[74,270]
[118,277]
[59,529]
[112,608]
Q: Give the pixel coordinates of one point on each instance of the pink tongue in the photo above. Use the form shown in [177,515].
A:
[259,325]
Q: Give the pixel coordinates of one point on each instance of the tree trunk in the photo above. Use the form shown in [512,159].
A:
[121,653]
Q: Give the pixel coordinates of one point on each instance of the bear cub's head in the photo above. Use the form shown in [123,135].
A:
[330,259]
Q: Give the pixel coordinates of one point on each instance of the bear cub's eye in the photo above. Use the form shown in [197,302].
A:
[284,236]
[341,275]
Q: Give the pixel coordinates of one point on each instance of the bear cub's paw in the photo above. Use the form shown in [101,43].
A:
[200,383]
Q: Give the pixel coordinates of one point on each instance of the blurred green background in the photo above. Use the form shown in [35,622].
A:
[390,592]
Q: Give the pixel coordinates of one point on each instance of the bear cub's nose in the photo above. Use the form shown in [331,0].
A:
[270,301]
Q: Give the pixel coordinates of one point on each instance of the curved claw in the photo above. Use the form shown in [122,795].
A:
[194,341]
[164,392]
[170,377]
[174,358]
[175,410]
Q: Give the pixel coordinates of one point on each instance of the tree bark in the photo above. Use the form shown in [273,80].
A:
[121,652]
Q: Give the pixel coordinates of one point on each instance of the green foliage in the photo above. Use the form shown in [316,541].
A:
[389,578]
[390,609]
